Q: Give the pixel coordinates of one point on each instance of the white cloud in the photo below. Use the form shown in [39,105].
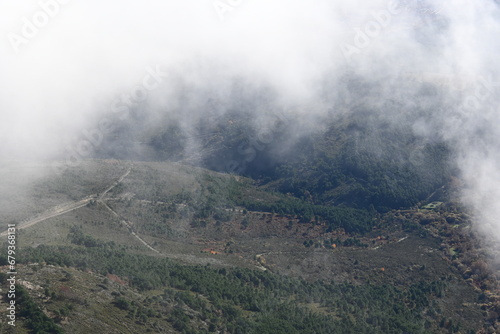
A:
[66,76]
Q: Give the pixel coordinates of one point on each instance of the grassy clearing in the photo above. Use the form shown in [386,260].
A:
[432,206]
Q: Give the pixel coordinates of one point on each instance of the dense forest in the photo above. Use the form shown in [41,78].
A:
[248,301]
[359,160]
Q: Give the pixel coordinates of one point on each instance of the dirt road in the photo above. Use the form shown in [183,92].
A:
[54,212]
[70,206]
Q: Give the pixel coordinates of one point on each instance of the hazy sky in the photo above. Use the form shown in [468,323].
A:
[64,64]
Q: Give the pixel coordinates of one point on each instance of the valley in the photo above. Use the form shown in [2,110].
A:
[188,215]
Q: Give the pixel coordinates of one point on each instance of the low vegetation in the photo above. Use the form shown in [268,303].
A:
[246,301]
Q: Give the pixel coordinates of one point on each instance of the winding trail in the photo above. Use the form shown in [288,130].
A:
[115,183]
[124,222]
[71,206]
[54,212]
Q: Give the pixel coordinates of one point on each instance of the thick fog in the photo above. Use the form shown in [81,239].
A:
[72,70]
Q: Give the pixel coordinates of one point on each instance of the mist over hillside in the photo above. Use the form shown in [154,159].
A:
[170,81]
[368,106]
[174,81]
